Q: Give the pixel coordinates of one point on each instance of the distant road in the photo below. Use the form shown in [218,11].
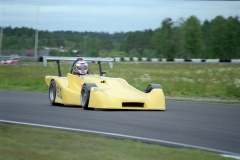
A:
[215,126]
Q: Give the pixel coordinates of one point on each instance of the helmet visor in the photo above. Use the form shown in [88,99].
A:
[82,67]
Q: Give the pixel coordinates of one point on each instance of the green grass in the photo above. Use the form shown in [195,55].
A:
[25,142]
[191,80]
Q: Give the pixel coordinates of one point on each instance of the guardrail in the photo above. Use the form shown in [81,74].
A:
[177,60]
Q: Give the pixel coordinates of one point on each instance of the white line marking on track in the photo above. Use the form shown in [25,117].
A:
[231,156]
[223,153]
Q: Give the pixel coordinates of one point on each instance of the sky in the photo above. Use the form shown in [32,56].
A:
[108,15]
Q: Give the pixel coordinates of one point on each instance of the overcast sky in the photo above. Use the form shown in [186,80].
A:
[107,15]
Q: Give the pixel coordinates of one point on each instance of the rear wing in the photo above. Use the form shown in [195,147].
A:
[88,59]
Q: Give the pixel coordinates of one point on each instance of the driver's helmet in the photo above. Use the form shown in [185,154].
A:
[82,67]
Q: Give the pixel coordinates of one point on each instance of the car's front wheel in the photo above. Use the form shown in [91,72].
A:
[85,95]
[52,94]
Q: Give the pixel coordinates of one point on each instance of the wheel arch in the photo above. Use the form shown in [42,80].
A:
[152,86]
[90,85]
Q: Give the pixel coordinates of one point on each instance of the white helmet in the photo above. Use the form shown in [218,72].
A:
[82,67]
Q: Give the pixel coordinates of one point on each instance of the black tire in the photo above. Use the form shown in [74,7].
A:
[52,94]
[150,87]
[85,95]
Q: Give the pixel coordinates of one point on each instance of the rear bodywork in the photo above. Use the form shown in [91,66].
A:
[110,93]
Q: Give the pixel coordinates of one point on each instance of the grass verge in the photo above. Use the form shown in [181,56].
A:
[220,81]
[27,142]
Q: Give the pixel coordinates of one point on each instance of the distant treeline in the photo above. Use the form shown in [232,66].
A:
[218,38]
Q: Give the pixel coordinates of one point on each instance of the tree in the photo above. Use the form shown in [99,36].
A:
[192,38]
[108,44]
[217,39]
[177,42]
[165,39]
[59,42]
[233,38]
[93,46]
[206,36]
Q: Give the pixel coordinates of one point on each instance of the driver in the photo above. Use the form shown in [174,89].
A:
[82,67]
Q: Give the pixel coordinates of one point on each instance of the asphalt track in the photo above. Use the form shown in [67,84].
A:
[210,125]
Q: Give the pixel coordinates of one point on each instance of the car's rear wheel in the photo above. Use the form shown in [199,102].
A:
[150,87]
[52,93]
[85,95]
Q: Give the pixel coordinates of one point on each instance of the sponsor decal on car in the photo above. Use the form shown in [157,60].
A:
[59,92]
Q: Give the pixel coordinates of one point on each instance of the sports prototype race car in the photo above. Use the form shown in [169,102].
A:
[10,61]
[95,91]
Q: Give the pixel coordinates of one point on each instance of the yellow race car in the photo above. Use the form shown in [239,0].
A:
[97,91]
